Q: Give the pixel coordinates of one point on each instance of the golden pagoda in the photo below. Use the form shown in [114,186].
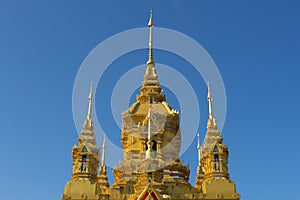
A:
[151,168]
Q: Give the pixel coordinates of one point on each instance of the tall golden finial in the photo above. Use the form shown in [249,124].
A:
[150,25]
[199,147]
[209,99]
[103,151]
[89,116]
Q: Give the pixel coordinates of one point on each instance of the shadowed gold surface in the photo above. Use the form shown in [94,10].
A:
[151,140]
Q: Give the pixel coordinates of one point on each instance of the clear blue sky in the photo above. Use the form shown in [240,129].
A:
[255,44]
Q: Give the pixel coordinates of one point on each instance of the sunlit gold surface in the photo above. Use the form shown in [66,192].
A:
[155,172]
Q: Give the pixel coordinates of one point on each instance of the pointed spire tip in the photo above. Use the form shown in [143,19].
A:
[199,148]
[209,99]
[199,145]
[150,25]
[91,91]
[208,90]
[103,151]
[89,116]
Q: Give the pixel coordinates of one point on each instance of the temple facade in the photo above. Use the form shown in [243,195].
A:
[151,168]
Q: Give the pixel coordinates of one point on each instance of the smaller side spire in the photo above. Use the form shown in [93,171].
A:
[199,176]
[211,123]
[102,177]
[88,124]
[199,147]
[90,102]
[103,151]
[86,155]
[212,136]
[209,99]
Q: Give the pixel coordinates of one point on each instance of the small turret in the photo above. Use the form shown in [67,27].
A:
[85,160]
[200,175]
[102,178]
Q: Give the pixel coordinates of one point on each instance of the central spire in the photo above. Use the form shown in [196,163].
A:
[151,90]
[150,25]
[150,76]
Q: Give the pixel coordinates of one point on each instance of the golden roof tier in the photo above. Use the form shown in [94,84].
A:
[151,139]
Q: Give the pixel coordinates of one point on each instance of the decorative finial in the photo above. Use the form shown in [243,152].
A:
[103,151]
[150,25]
[149,143]
[149,123]
[209,99]
[89,116]
[199,147]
